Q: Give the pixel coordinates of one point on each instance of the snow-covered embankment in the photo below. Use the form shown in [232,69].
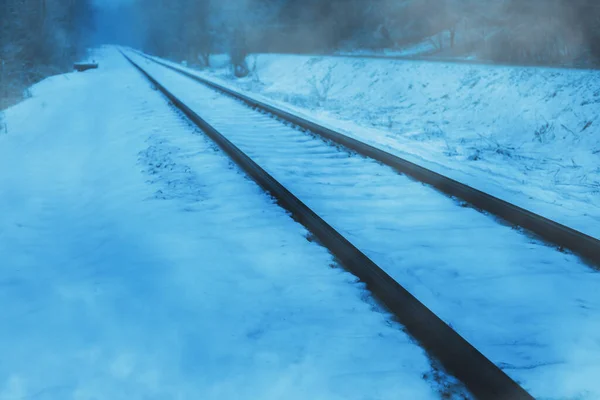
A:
[528,135]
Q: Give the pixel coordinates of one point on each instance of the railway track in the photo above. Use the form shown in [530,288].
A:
[560,235]
[398,227]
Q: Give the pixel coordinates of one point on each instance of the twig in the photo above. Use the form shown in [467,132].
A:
[589,123]
[574,134]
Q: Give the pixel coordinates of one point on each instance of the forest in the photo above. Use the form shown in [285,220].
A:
[516,31]
[39,38]
[42,37]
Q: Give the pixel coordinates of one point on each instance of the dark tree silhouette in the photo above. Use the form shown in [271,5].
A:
[39,38]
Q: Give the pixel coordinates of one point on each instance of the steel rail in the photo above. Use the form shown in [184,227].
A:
[550,231]
[482,377]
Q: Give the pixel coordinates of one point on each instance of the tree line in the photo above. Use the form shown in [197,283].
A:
[39,38]
[520,31]
[42,37]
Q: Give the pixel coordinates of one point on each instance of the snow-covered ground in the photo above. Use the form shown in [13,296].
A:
[136,262]
[492,283]
[528,135]
[422,48]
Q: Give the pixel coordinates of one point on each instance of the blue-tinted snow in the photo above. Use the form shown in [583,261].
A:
[531,309]
[136,262]
[528,135]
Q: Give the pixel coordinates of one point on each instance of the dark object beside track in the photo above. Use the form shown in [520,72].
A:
[81,67]
[560,235]
[482,377]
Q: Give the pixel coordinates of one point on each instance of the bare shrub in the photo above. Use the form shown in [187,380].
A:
[544,133]
[320,87]
[253,67]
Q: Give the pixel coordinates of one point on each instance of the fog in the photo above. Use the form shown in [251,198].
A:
[41,37]
[530,31]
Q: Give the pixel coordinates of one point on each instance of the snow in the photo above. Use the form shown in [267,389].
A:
[528,307]
[422,48]
[530,136]
[137,262]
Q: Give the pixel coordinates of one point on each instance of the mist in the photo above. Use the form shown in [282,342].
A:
[42,37]
[528,32]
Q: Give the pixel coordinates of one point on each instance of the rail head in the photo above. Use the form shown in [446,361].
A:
[483,378]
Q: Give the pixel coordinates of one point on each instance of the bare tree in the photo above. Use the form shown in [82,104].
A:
[524,31]
[39,38]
